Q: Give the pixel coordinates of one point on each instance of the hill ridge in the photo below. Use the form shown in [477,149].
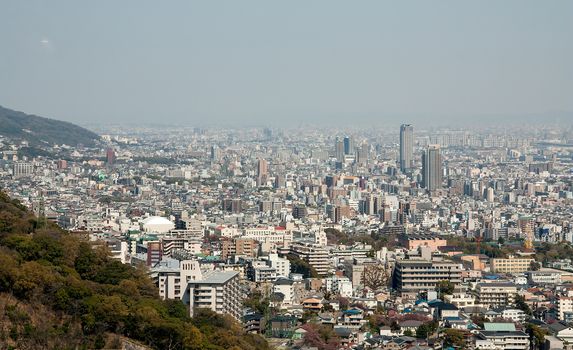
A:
[42,131]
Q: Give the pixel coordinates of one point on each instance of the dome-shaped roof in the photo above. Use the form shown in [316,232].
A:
[157,220]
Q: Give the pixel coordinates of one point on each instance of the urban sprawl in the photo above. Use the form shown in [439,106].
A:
[361,239]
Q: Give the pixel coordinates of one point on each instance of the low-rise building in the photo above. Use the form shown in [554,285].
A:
[413,276]
[511,265]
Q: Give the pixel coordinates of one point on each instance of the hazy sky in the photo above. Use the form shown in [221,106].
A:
[287,61]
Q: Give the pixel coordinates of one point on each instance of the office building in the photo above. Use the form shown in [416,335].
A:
[348,145]
[406,147]
[432,168]
[262,171]
[215,153]
[416,275]
[511,265]
[110,156]
[339,149]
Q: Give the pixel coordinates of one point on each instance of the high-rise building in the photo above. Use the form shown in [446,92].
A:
[262,168]
[348,145]
[432,168]
[339,149]
[22,169]
[362,154]
[215,153]
[62,164]
[406,147]
[262,172]
[110,156]
[219,291]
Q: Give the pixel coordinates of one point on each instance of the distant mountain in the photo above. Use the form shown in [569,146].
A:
[43,131]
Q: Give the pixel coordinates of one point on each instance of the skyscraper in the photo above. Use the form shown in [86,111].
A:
[339,149]
[215,152]
[406,147]
[262,167]
[262,171]
[110,156]
[362,154]
[348,145]
[432,168]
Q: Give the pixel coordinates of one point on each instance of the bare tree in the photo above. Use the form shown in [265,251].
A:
[375,276]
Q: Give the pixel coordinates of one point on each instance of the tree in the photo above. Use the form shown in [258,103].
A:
[478,320]
[408,333]
[522,305]
[534,266]
[445,287]
[375,276]
[343,303]
[78,294]
[425,330]
[320,336]
[454,338]
[537,335]
[300,266]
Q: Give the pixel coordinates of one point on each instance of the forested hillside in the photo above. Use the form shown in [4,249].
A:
[56,291]
[42,131]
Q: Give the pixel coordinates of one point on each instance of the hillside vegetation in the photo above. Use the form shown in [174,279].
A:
[58,292]
[41,131]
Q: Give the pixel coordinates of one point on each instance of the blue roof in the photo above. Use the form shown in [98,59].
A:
[352,312]
[491,277]
[453,318]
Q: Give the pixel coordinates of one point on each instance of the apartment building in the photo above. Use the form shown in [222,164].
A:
[564,305]
[496,294]
[246,247]
[171,276]
[511,265]
[314,254]
[281,265]
[413,276]
[218,291]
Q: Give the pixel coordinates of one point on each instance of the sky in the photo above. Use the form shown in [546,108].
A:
[287,62]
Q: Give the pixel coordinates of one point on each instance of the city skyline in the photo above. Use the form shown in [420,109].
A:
[258,175]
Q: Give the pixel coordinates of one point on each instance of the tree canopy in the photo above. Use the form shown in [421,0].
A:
[62,292]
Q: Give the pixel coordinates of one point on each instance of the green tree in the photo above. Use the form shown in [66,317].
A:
[454,338]
[425,330]
[534,266]
[522,305]
[298,265]
[445,287]
[536,334]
